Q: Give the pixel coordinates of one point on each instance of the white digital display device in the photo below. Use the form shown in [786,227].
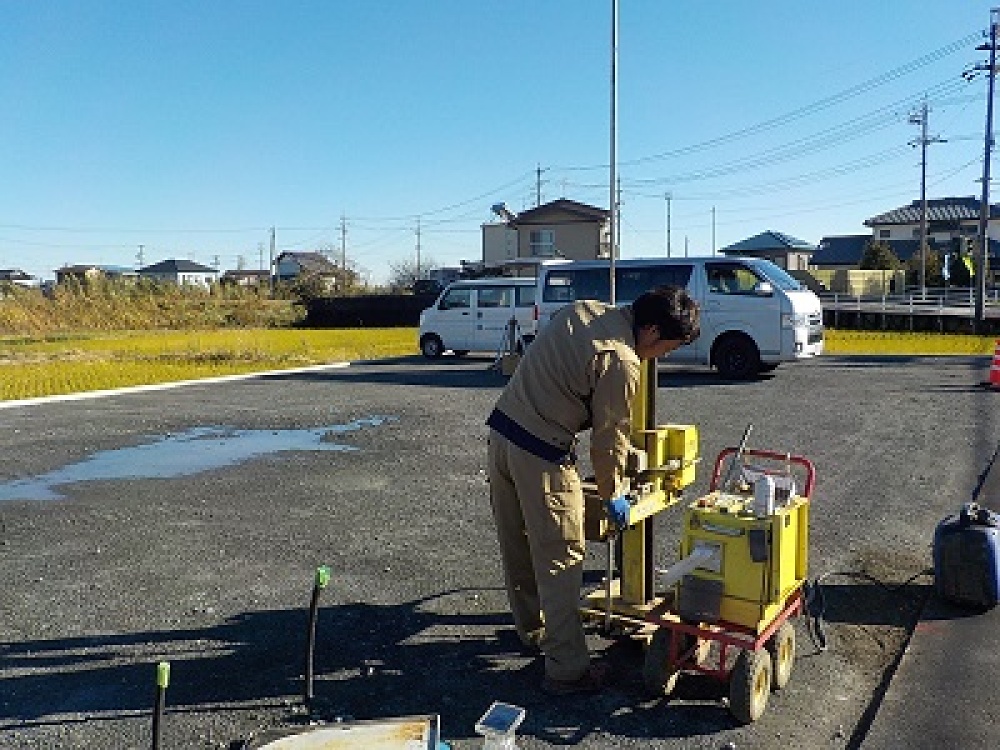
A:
[500,719]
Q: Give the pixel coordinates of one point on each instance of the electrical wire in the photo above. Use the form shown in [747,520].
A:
[815,601]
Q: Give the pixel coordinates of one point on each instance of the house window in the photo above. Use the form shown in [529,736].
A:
[543,243]
[883,234]
[916,234]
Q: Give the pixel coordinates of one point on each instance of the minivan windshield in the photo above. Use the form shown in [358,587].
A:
[776,275]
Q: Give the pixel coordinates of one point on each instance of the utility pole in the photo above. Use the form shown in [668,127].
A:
[260,255]
[343,242]
[417,275]
[920,118]
[713,231]
[667,197]
[613,180]
[273,270]
[140,257]
[984,212]
[538,185]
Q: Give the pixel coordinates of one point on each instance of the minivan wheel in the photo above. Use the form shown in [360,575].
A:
[737,358]
[431,346]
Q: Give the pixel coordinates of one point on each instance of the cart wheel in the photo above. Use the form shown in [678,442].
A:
[750,685]
[658,676]
[782,650]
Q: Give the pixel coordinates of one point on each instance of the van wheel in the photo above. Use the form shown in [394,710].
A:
[736,358]
[431,346]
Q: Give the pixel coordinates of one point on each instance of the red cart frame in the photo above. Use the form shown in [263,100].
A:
[687,654]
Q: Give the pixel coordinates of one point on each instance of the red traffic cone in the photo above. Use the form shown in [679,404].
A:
[995,368]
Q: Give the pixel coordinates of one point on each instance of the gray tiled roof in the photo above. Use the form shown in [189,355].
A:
[848,250]
[768,240]
[840,251]
[580,211]
[177,266]
[938,210]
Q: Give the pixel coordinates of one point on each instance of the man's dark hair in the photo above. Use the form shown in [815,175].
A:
[672,309]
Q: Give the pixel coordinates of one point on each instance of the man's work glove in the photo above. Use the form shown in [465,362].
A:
[618,509]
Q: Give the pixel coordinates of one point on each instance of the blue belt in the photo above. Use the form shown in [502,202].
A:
[526,441]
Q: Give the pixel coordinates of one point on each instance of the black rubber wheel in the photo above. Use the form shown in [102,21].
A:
[750,685]
[737,358]
[431,346]
[768,366]
[782,650]
[657,675]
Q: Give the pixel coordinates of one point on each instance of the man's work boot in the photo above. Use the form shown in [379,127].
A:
[591,681]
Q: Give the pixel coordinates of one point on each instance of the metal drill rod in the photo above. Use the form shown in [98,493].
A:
[607,583]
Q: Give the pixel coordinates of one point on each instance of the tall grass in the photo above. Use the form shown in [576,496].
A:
[101,335]
[50,366]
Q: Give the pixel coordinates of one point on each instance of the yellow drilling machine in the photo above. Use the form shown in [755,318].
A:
[723,608]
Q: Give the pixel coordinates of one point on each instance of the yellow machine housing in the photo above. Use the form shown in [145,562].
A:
[763,561]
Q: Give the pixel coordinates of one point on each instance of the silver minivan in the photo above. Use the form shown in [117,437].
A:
[473,316]
[754,316]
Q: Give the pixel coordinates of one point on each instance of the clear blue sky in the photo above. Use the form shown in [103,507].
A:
[191,128]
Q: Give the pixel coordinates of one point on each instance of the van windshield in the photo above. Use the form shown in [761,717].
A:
[776,275]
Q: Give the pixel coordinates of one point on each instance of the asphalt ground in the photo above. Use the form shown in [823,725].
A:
[186,525]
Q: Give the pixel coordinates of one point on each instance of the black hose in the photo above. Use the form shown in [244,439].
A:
[322,579]
[162,680]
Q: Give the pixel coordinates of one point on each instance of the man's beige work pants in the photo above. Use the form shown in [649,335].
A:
[538,508]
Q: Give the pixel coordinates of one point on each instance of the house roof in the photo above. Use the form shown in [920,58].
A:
[311,262]
[14,274]
[249,273]
[848,250]
[768,240]
[576,211]
[177,266]
[840,251]
[938,210]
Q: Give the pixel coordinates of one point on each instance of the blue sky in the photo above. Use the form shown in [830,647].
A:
[191,128]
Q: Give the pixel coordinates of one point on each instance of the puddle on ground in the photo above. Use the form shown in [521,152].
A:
[183,454]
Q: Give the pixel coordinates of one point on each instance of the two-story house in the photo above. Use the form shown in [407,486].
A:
[183,272]
[952,225]
[559,229]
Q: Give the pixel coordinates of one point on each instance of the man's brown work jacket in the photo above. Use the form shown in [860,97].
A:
[581,372]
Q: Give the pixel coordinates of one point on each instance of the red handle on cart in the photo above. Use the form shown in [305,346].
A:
[773,455]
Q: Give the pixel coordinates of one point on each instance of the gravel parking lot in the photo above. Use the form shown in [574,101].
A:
[186,525]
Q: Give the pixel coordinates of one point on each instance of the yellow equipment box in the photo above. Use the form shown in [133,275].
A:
[762,562]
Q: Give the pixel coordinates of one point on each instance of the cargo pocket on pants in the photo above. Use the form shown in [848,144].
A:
[564,504]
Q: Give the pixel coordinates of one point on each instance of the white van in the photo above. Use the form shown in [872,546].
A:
[472,316]
[754,315]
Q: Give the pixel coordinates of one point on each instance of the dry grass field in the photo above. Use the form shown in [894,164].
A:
[32,366]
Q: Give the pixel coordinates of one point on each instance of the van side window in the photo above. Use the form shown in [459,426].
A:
[496,296]
[630,283]
[525,296]
[572,284]
[730,278]
[455,299]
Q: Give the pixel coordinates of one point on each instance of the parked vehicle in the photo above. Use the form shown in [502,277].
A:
[754,314]
[473,315]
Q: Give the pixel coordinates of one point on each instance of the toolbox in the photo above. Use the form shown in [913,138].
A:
[967,557]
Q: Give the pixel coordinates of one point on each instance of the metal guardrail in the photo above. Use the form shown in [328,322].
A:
[938,301]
